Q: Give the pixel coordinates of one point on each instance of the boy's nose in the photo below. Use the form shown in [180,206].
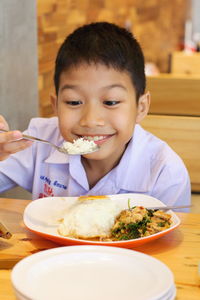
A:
[92,116]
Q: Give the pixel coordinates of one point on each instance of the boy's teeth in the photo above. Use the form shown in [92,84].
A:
[94,138]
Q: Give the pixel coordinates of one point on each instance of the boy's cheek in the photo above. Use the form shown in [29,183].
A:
[66,134]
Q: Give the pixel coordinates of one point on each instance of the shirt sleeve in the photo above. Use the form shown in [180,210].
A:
[6,183]
[18,169]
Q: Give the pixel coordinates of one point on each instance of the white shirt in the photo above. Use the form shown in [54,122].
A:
[148,166]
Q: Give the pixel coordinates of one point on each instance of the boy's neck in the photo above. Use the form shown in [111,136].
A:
[95,170]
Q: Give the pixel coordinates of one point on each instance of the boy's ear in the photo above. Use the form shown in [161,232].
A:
[143,107]
[54,103]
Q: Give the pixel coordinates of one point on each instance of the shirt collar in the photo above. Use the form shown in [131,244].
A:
[75,166]
[56,157]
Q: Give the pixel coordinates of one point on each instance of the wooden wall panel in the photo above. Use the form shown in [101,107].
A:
[174,94]
[185,63]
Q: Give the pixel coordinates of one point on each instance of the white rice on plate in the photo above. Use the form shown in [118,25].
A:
[90,219]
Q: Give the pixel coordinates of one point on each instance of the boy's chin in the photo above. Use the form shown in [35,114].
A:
[100,155]
[92,156]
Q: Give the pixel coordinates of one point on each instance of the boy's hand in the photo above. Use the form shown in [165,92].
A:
[9,141]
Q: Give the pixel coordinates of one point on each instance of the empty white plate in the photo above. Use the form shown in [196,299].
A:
[92,272]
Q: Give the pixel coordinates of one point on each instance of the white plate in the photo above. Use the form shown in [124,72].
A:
[91,272]
[41,216]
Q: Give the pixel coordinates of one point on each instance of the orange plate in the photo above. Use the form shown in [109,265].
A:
[41,217]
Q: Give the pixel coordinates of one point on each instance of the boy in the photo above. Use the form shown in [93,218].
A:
[100,95]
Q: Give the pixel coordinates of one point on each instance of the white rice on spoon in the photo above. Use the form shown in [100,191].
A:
[80,146]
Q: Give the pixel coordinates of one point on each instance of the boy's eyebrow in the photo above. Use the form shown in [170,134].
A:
[69,86]
[118,85]
[74,87]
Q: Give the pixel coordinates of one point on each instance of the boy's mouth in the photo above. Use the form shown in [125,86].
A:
[98,139]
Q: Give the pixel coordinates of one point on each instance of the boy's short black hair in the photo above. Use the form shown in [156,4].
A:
[104,43]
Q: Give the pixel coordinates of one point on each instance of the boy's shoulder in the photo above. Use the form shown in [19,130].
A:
[147,139]
[43,122]
[155,148]
[151,157]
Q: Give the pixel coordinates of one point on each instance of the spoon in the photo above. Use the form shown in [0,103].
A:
[168,207]
[60,149]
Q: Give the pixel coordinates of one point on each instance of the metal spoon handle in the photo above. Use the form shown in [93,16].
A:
[29,137]
[32,138]
[169,207]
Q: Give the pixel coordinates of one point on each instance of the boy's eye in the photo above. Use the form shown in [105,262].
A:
[74,102]
[111,102]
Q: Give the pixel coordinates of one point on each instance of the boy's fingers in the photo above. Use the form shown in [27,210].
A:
[7,149]
[3,156]
[3,123]
[11,141]
[14,147]
[10,136]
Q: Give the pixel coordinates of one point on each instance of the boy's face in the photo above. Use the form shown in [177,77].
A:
[99,103]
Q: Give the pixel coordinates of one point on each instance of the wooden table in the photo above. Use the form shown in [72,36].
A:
[179,250]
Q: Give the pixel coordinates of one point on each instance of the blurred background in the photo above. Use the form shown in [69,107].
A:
[169,32]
